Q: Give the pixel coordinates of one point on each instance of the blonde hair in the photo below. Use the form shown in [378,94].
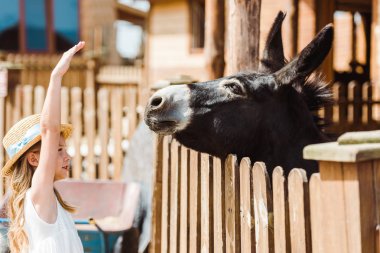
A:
[20,181]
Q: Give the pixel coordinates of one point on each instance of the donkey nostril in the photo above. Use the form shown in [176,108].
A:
[156,101]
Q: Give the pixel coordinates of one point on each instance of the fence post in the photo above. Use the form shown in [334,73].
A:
[350,196]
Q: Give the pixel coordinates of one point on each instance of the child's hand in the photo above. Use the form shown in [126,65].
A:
[64,63]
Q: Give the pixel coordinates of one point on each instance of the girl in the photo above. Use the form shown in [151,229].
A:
[40,221]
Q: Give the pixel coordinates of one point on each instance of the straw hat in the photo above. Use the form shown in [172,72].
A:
[23,135]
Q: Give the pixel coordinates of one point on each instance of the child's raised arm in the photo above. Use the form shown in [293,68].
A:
[42,192]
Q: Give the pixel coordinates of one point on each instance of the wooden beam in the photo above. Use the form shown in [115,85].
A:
[214,38]
[133,15]
[353,5]
[243,35]
[375,53]
[375,38]
[325,15]
[294,27]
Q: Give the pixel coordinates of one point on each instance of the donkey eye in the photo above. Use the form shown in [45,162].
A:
[235,88]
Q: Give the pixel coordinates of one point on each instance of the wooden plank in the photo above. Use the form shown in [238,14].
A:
[307,22]
[293,27]
[157,195]
[165,196]
[243,31]
[214,38]
[116,117]
[193,203]
[280,212]
[299,211]
[89,118]
[205,201]
[351,193]
[246,214]
[357,102]
[17,108]
[376,169]
[65,104]
[343,103]
[332,151]
[316,214]
[47,68]
[173,225]
[334,217]
[350,105]
[76,116]
[376,106]
[360,206]
[324,14]
[27,101]
[219,210]
[90,74]
[9,110]
[335,91]
[184,191]
[232,244]
[39,98]
[366,118]
[262,209]
[103,119]
[39,62]
[375,54]
[2,151]
[30,61]
[132,113]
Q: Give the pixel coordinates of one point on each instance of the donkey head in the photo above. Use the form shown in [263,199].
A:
[248,114]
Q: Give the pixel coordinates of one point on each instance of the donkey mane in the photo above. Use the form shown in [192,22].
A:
[317,94]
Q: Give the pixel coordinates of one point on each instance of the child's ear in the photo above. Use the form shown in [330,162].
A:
[33,159]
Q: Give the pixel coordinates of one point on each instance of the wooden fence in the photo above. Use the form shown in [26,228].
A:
[201,204]
[103,122]
[355,108]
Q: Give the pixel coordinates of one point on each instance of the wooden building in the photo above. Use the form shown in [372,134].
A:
[176,30]
[48,27]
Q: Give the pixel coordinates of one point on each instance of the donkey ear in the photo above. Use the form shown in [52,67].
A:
[309,59]
[273,55]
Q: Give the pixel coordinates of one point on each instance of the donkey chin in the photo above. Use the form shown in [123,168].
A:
[165,127]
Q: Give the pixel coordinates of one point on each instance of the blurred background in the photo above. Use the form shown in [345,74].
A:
[136,46]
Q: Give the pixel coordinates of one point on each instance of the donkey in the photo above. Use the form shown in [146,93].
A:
[268,115]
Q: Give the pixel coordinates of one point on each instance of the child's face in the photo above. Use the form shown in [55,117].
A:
[63,168]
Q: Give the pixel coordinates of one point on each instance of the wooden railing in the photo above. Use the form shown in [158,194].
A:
[113,74]
[202,204]
[36,69]
[355,108]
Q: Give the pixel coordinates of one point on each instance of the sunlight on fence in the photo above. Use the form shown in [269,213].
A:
[202,204]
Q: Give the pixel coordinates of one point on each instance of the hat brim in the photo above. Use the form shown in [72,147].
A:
[7,170]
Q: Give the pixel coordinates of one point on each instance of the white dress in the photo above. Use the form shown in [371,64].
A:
[58,237]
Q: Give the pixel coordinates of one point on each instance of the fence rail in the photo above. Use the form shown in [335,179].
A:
[202,204]
[36,69]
